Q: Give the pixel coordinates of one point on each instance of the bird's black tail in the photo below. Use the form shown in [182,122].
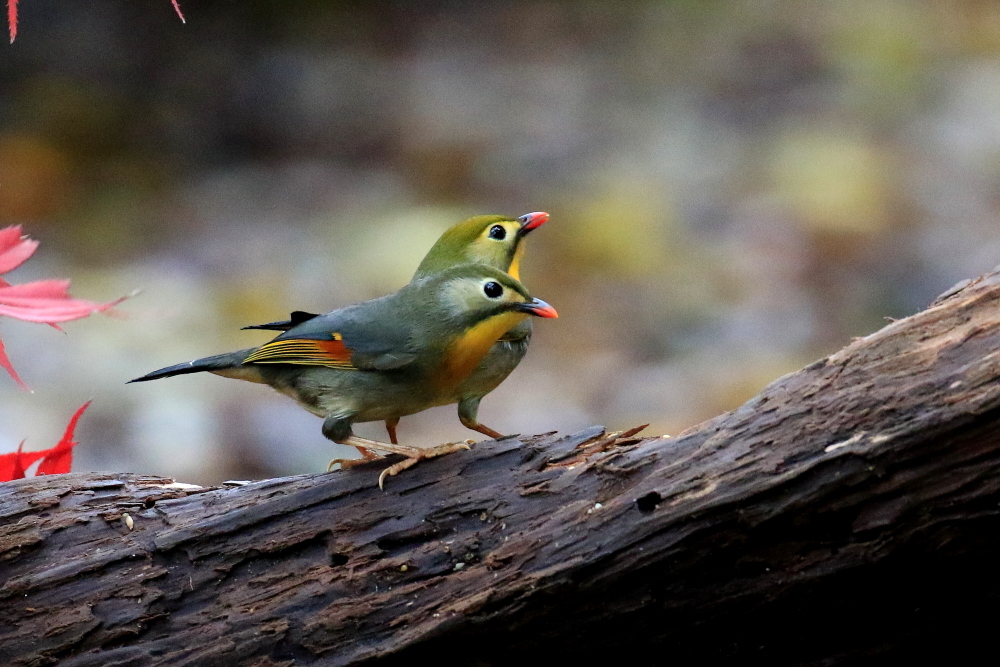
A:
[220,362]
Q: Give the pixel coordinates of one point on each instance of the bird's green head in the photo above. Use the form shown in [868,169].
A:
[493,240]
[472,293]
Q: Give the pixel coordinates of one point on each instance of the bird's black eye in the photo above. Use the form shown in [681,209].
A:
[492,290]
[498,232]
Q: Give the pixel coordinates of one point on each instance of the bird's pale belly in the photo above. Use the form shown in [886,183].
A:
[369,396]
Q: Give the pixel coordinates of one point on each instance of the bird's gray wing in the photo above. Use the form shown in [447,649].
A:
[374,335]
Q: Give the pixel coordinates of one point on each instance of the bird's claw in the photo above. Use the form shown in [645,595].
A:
[347,464]
[419,455]
[366,456]
[344,463]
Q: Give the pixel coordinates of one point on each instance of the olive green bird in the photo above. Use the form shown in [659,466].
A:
[385,358]
[493,240]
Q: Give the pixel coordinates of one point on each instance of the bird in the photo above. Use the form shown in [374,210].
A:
[496,241]
[385,358]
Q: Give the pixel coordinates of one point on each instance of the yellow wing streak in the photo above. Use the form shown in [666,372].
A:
[305,352]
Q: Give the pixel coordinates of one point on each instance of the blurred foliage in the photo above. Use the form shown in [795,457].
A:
[736,189]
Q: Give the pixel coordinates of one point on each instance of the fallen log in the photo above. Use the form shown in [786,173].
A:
[847,513]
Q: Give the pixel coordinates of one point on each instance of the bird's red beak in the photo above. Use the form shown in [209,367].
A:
[538,308]
[531,221]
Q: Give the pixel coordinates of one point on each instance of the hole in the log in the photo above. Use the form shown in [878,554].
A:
[648,502]
[336,560]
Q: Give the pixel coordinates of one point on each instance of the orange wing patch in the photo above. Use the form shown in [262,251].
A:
[304,351]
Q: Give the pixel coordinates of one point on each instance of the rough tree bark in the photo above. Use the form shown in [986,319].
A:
[849,512]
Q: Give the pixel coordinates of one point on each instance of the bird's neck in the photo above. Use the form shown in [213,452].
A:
[463,355]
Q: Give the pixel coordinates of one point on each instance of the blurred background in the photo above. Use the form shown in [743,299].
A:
[736,189]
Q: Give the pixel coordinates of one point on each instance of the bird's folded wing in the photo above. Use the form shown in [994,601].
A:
[353,338]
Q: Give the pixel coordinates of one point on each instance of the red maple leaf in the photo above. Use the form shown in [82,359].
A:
[59,459]
[45,301]
[12,465]
[55,460]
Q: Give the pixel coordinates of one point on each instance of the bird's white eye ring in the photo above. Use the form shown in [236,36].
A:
[493,290]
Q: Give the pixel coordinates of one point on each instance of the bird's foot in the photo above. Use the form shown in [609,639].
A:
[345,464]
[420,454]
[413,454]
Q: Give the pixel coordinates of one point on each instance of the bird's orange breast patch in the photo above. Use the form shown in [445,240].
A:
[463,355]
[305,352]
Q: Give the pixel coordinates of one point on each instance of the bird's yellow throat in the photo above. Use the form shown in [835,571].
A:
[514,271]
[465,353]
